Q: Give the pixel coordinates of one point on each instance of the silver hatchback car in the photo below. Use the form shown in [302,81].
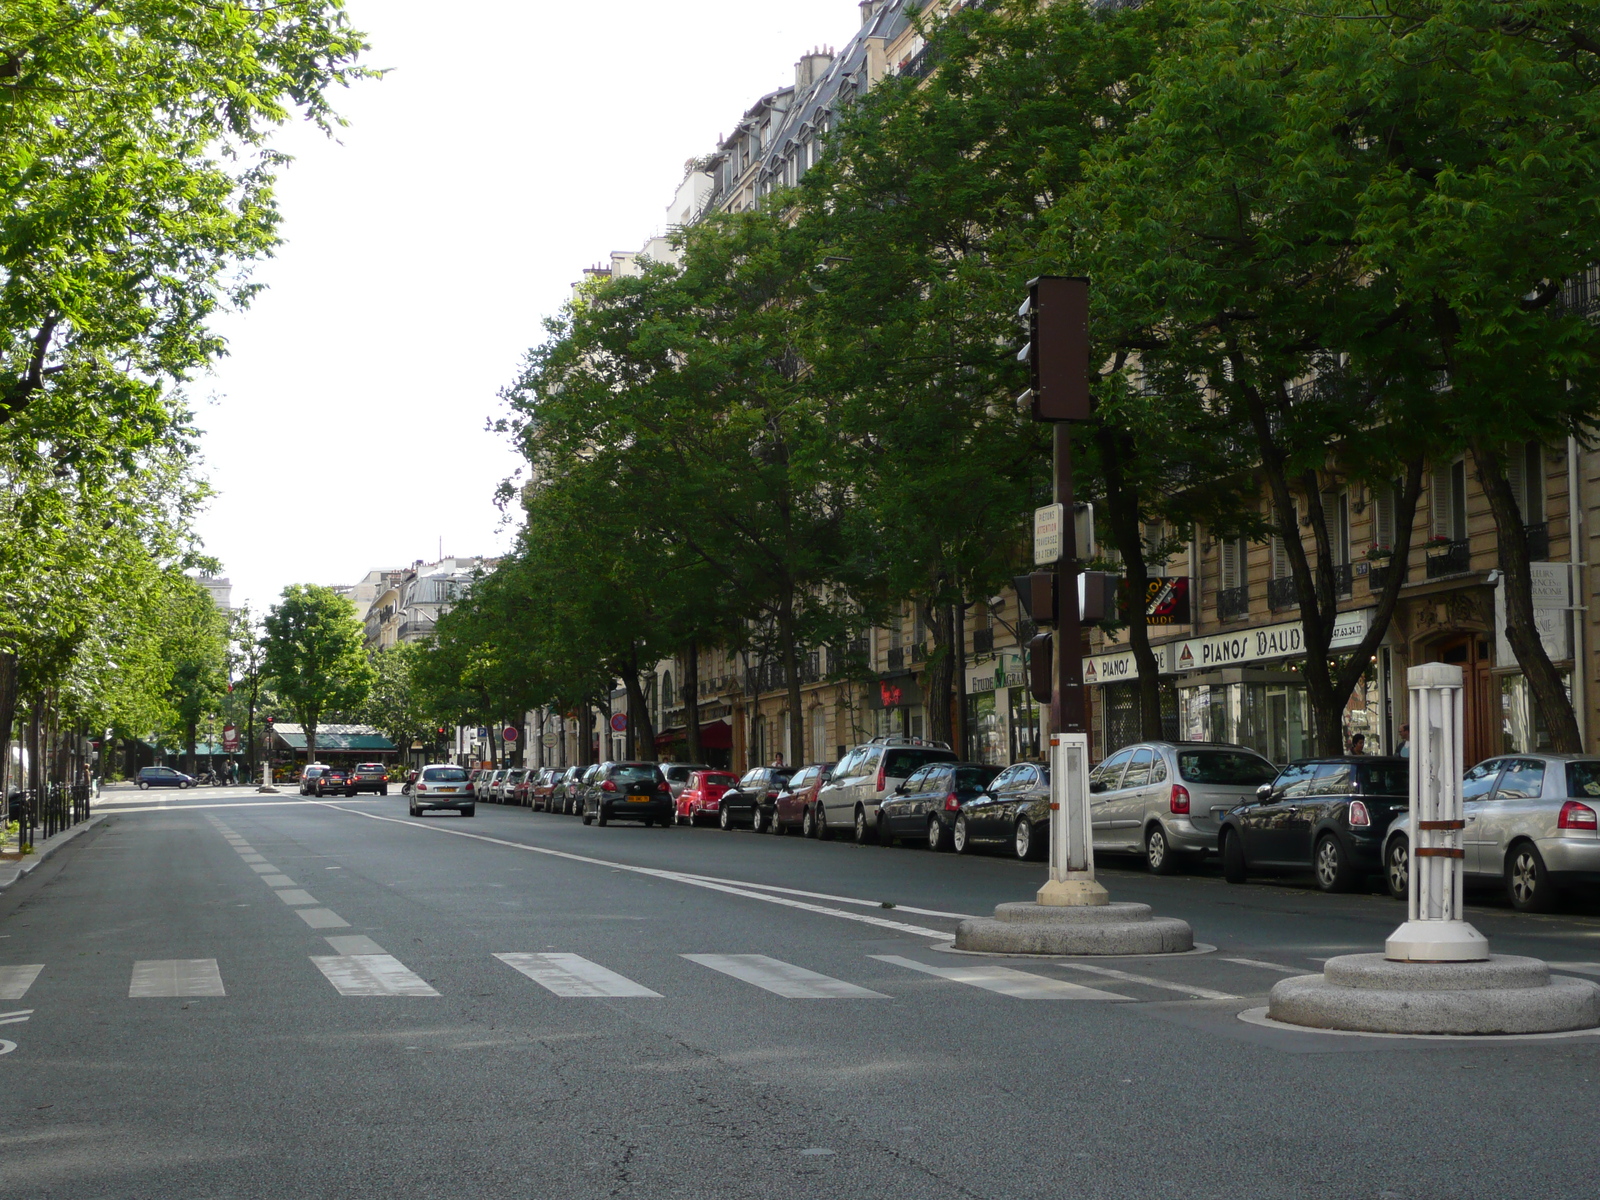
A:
[1532,824]
[1165,800]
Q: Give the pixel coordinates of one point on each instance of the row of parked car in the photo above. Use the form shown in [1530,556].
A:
[1531,820]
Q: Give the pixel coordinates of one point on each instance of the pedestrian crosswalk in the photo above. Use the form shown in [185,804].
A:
[572,975]
[15,981]
[175,977]
[783,979]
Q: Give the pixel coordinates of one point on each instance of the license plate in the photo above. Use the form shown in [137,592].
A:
[445,789]
[638,799]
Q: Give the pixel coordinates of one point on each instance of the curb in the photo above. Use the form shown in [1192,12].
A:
[11,874]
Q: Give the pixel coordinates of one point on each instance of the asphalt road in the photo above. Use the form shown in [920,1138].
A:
[248,996]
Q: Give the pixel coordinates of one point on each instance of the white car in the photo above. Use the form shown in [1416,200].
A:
[442,785]
[867,776]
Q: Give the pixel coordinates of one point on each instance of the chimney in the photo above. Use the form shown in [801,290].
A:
[810,68]
[869,9]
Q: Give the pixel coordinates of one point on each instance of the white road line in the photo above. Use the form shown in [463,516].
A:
[295,896]
[322,918]
[769,887]
[731,887]
[572,975]
[106,806]
[264,868]
[1583,968]
[1266,966]
[354,943]
[15,981]
[175,977]
[277,881]
[253,858]
[1019,985]
[784,979]
[16,1018]
[371,975]
[1188,989]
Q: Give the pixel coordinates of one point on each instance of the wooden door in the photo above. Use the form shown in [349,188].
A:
[1470,652]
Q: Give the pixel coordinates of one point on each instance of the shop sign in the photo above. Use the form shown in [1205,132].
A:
[1550,604]
[1263,644]
[1120,665]
[1167,600]
[898,691]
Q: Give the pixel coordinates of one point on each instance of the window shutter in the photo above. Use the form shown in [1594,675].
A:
[1439,502]
[1230,563]
[1383,506]
[1332,523]
[1515,477]
[1533,484]
[1280,553]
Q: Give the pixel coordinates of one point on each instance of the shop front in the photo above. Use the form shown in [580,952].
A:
[1004,722]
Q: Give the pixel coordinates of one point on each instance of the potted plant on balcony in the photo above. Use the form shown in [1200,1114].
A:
[1438,546]
[1379,555]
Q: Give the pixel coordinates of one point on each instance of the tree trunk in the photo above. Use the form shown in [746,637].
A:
[8,712]
[1123,516]
[958,621]
[640,729]
[689,681]
[35,766]
[1544,681]
[939,672]
[790,654]
[311,742]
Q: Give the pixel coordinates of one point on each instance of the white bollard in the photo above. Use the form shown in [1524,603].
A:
[1072,882]
[1434,930]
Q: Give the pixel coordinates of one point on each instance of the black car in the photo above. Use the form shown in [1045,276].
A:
[627,791]
[926,805]
[368,777]
[333,781]
[1329,814]
[755,798]
[1013,811]
[150,777]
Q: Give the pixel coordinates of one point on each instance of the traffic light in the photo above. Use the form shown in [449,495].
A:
[1097,596]
[1057,350]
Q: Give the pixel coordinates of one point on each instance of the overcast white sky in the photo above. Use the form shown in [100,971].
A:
[511,145]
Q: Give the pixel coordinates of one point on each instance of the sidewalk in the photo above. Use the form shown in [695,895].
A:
[12,870]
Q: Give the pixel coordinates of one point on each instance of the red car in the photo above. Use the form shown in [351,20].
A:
[701,794]
[796,807]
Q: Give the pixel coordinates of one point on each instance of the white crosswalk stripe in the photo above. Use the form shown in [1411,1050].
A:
[175,977]
[15,981]
[371,975]
[572,975]
[1269,966]
[1187,989]
[262,868]
[295,896]
[1020,985]
[784,979]
[322,918]
[277,881]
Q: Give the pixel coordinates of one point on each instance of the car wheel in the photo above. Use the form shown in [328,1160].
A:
[1332,865]
[758,820]
[383,791]
[885,838]
[824,834]
[1158,855]
[724,818]
[1023,841]
[958,839]
[470,810]
[861,826]
[601,817]
[143,786]
[184,786]
[1233,868]
[647,822]
[1397,868]
[776,827]
[808,823]
[1528,885]
[936,838]
[585,818]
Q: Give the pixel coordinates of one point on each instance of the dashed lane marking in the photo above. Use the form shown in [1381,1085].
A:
[784,979]
[264,868]
[15,1018]
[1020,985]
[354,943]
[277,881]
[574,976]
[322,918]
[1266,966]
[371,975]
[295,896]
[1187,989]
[15,981]
[175,977]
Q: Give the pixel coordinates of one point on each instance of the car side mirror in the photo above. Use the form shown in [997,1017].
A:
[899,789]
[1264,791]
[1098,785]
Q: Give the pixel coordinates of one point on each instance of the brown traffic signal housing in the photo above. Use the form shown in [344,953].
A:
[1058,347]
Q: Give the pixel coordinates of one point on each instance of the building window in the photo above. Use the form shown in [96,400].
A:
[1449,502]
[1234,556]
[668,697]
[1525,474]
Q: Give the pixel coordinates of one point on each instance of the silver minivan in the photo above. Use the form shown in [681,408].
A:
[1165,800]
[1532,824]
[868,775]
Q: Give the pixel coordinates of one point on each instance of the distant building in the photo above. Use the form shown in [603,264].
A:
[221,589]
[406,604]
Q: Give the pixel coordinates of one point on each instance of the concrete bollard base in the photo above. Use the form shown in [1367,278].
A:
[1111,929]
[1505,994]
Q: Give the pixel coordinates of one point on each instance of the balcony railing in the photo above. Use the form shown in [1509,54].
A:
[1281,593]
[896,657]
[1449,558]
[1378,575]
[1538,541]
[919,652]
[1233,603]
[1343,584]
[983,641]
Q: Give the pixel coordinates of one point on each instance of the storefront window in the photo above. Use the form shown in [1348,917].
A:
[986,737]
[1270,718]
[1024,725]
[1522,729]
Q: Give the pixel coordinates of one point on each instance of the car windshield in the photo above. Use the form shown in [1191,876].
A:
[1583,778]
[897,764]
[444,775]
[721,780]
[1230,768]
[364,768]
[975,778]
[1386,779]
[635,773]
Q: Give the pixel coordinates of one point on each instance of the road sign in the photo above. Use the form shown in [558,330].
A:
[549,739]
[1047,526]
[230,738]
[619,721]
[510,733]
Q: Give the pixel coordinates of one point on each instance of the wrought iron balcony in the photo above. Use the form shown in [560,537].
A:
[1538,541]
[1281,593]
[896,657]
[983,641]
[919,652]
[1449,558]
[1233,603]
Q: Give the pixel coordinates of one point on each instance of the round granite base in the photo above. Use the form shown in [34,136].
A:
[1506,994]
[1097,929]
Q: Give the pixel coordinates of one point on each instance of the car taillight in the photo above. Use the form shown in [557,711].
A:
[883,776]
[607,786]
[1359,814]
[422,787]
[1576,816]
[1178,801]
[952,803]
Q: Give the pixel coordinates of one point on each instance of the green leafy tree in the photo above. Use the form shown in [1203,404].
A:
[196,648]
[315,656]
[396,705]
